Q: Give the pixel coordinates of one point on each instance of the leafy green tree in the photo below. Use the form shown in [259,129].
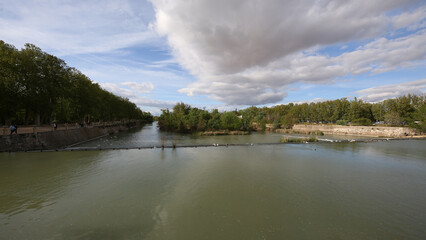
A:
[419,118]
[36,87]
[340,111]
[378,111]
[362,122]
[10,87]
[230,121]
[393,118]
[214,122]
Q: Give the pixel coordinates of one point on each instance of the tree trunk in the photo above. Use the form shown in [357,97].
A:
[27,117]
[37,119]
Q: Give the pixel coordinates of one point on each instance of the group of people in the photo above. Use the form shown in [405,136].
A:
[14,128]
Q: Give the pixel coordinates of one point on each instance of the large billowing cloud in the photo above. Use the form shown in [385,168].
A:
[247,52]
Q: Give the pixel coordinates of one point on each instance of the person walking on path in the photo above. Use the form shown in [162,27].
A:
[13,128]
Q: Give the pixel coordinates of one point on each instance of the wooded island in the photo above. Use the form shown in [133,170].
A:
[407,110]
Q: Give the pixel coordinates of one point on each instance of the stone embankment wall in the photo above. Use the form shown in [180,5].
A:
[371,131]
[57,139]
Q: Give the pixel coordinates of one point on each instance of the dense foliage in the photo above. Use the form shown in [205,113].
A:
[37,88]
[407,110]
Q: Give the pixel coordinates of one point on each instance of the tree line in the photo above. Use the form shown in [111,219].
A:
[407,110]
[39,88]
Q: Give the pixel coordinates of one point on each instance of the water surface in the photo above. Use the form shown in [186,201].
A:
[149,136]
[293,191]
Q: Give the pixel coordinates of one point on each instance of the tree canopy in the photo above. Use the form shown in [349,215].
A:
[406,110]
[37,87]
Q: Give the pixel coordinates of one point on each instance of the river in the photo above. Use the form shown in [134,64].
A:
[373,190]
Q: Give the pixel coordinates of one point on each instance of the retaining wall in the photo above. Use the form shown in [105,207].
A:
[56,139]
[371,131]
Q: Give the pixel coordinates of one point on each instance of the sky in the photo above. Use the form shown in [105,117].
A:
[230,54]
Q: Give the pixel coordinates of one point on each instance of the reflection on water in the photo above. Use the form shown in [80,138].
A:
[302,191]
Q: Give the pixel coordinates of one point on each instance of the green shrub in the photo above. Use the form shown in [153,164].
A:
[342,122]
[317,132]
[362,122]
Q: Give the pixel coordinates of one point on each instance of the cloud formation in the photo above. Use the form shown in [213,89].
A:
[380,93]
[133,94]
[414,19]
[143,101]
[134,91]
[117,90]
[101,25]
[247,52]
[144,87]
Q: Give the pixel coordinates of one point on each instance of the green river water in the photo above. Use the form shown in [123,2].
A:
[371,190]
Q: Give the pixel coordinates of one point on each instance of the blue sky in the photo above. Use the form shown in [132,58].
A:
[231,54]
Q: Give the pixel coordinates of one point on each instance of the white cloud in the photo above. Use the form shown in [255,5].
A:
[144,87]
[315,100]
[133,96]
[143,101]
[70,27]
[413,20]
[230,36]
[132,93]
[117,90]
[262,85]
[248,52]
[129,72]
[380,93]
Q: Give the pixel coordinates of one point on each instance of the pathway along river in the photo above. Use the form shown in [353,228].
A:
[371,190]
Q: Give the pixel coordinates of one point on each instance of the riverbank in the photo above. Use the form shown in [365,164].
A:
[60,138]
[367,131]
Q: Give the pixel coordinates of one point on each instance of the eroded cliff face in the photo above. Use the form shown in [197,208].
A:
[371,131]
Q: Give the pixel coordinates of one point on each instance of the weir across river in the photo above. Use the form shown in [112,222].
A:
[321,141]
[149,137]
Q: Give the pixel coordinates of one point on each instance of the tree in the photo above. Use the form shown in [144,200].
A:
[419,117]
[230,121]
[214,121]
[37,87]
[9,82]
[393,118]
